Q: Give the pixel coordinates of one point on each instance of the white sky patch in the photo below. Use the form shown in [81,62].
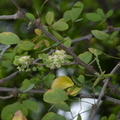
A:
[82,108]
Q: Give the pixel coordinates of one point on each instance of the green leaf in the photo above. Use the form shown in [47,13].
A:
[109,13]
[74,13]
[67,15]
[29,88]
[6,63]
[31,105]
[100,34]
[101,13]
[61,105]
[67,42]
[95,51]
[9,110]
[81,79]
[58,117]
[79,117]
[85,57]
[48,116]
[53,95]
[9,38]
[60,25]
[112,117]
[93,17]
[114,34]
[104,118]
[42,56]
[25,84]
[9,56]
[57,35]
[76,10]
[30,16]
[27,45]
[49,18]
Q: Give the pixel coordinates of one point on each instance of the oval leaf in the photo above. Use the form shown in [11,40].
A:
[81,79]
[61,105]
[31,105]
[62,82]
[109,14]
[76,10]
[11,109]
[67,42]
[73,90]
[57,35]
[100,34]
[30,16]
[27,45]
[38,45]
[101,13]
[112,117]
[29,88]
[85,57]
[49,116]
[49,17]
[37,31]
[95,51]
[58,117]
[9,38]
[104,118]
[79,117]
[54,95]
[93,17]
[47,43]
[60,25]
[67,16]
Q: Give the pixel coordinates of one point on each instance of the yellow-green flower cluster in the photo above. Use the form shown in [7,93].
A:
[56,59]
[22,62]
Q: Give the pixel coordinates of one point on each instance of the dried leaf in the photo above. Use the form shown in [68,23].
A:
[19,116]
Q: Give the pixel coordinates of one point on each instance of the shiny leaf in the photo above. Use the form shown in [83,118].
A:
[62,82]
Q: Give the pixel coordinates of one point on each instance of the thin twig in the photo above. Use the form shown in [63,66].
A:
[105,98]
[118,116]
[4,80]
[14,90]
[102,91]
[6,97]
[17,15]
[89,37]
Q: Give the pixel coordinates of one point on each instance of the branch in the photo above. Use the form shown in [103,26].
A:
[14,90]
[4,80]
[17,15]
[89,37]
[6,97]
[102,91]
[105,98]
